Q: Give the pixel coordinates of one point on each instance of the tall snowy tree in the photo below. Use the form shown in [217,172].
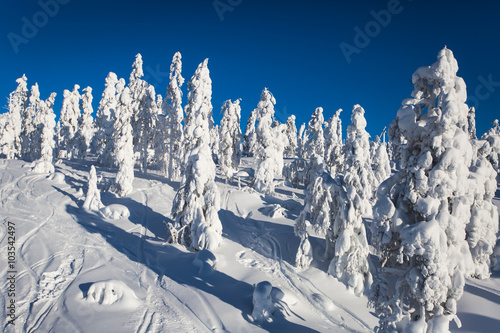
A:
[334,156]
[46,135]
[381,164]
[18,102]
[86,128]
[357,157]
[171,149]
[250,138]
[291,135]
[422,211]
[28,124]
[70,118]
[270,146]
[199,105]
[482,230]
[138,89]
[105,117]
[195,207]
[314,146]
[146,120]
[123,145]
[230,145]
[332,207]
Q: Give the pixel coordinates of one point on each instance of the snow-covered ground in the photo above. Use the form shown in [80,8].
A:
[79,271]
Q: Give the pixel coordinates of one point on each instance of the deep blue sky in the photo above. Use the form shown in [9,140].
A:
[291,47]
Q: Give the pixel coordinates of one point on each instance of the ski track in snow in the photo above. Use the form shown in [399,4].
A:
[284,273]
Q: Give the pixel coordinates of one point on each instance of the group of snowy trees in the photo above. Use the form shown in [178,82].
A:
[434,223]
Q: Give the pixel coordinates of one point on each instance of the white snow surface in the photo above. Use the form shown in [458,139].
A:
[78,271]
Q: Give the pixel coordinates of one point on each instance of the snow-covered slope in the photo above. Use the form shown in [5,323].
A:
[79,271]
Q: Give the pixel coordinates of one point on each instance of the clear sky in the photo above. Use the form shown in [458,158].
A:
[291,47]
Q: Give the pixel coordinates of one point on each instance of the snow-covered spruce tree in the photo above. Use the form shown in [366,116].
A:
[357,158]
[199,105]
[334,156]
[381,164]
[316,212]
[123,145]
[482,230]
[18,102]
[171,151]
[45,139]
[270,145]
[70,118]
[105,117]
[86,128]
[138,89]
[333,208]
[493,138]
[146,120]
[314,146]
[196,204]
[422,211]
[350,259]
[93,197]
[291,135]
[250,138]
[28,147]
[230,144]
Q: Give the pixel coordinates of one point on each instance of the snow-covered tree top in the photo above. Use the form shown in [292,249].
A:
[111,79]
[266,103]
[88,90]
[22,83]
[137,72]
[176,69]
[35,92]
[358,121]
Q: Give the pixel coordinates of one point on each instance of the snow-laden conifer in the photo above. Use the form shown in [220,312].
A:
[357,157]
[199,105]
[172,149]
[334,156]
[105,117]
[314,146]
[422,211]
[250,138]
[291,135]
[270,146]
[123,145]
[18,102]
[197,202]
[86,128]
[230,143]
[70,118]
[45,139]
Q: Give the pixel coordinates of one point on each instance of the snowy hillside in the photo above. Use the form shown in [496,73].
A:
[78,271]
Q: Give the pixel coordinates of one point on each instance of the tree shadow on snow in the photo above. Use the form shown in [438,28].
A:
[176,265]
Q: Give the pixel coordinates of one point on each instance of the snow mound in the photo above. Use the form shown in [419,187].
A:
[205,261]
[115,212]
[43,167]
[57,177]
[275,211]
[112,292]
